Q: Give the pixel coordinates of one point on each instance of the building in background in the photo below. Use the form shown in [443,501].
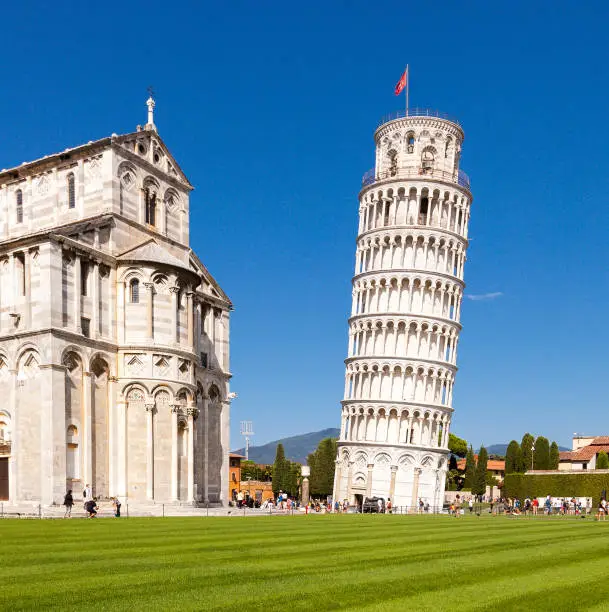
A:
[414,209]
[584,454]
[114,337]
[495,466]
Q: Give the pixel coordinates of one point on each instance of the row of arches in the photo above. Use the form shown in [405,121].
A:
[407,293]
[429,253]
[404,339]
[422,207]
[398,381]
[394,426]
[361,458]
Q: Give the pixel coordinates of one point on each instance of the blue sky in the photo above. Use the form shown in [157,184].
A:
[270,109]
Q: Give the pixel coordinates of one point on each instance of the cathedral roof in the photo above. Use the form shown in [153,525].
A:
[124,141]
[151,251]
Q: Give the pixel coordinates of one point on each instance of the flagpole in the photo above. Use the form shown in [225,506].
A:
[407,89]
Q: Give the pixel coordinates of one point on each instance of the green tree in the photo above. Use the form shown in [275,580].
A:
[513,458]
[249,470]
[322,464]
[554,456]
[470,469]
[541,458]
[457,446]
[281,469]
[602,461]
[293,479]
[479,482]
[526,452]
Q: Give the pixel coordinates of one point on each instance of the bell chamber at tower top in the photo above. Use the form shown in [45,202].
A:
[421,145]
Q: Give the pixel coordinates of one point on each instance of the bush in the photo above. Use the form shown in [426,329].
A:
[583,484]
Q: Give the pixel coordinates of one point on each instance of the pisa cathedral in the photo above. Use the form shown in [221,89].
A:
[414,209]
[114,337]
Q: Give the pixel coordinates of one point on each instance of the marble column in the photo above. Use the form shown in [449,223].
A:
[87,438]
[205,401]
[350,481]
[174,313]
[121,449]
[394,470]
[149,310]
[190,317]
[173,496]
[150,450]
[415,489]
[192,414]
[112,445]
[369,480]
[306,472]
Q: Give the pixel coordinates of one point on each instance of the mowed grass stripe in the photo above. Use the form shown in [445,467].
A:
[331,562]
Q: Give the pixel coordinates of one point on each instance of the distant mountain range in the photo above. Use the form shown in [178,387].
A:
[296,447]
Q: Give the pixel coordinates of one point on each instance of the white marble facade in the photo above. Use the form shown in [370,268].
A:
[404,325]
[114,337]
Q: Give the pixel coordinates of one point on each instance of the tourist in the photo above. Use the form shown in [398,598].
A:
[548,505]
[389,506]
[421,504]
[535,506]
[68,502]
[471,505]
[91,507]
[116,505]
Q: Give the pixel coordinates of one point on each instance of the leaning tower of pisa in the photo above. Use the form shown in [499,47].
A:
[404,327]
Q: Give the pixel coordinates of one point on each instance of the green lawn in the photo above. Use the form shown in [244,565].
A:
[350,562]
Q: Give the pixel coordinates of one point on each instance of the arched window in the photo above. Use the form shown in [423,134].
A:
[71,191]
[134,291]
[150,206]
[410,142]
[19,205]
[427,159]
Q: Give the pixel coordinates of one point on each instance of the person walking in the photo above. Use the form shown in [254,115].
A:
[68,502]
[116,505]
[471,505]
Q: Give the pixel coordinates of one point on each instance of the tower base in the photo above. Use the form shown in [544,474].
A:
[404,474]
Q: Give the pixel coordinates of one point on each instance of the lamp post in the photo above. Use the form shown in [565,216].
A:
[532,454]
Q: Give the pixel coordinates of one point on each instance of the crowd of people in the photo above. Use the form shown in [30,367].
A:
[89,504]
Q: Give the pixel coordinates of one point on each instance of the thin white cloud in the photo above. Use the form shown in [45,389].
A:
[484,296]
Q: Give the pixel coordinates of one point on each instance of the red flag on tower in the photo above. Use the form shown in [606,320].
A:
[399,88]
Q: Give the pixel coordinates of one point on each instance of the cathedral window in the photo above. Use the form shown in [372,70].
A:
[134,291]
[150,198]
[20,265]
[71,191]
[84,278]
[19,205]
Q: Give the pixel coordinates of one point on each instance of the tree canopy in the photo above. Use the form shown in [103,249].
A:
[554,456]
[322,464]
[479,481]
[457,446]
[470,469]
[513,458]
[541,457]
[602,461]
[526,452]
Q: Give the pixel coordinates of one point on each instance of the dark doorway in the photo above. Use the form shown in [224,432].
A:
[359,501]
[4,479]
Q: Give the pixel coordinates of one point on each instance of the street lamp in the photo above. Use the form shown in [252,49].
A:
[532,454]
